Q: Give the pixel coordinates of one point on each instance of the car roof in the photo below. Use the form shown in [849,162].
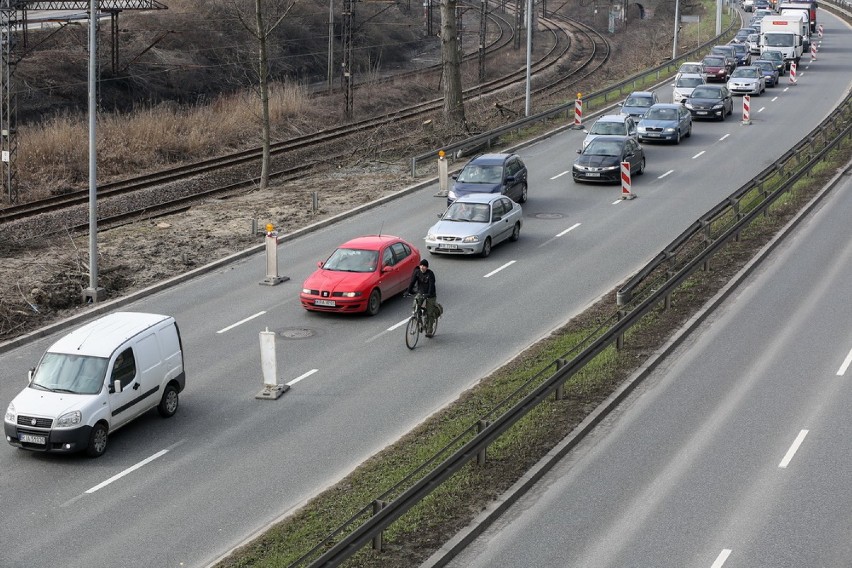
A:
[690,76]
[370,242]
[479,198]
[99,338]
[489,159]
[667,105]
[613,118]
[611,138]
[641,94]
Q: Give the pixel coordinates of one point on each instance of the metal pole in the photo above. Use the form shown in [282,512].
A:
[676,28]
[93,168]
[529,55]
[330,41]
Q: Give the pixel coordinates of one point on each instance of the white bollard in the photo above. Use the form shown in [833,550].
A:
[272,277]
[443,175]
[272,389]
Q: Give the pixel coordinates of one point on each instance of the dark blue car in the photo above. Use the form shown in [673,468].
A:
[769,70]
[492,173]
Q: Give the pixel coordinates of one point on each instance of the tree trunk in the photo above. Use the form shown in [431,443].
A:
[453,101]
[263,76]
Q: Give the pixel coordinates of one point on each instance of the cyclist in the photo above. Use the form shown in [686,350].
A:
[423,282]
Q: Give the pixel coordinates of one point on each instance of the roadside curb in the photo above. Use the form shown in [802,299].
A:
[493,512]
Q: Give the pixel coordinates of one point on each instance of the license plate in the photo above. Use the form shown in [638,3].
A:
[652,134]
[31,439]
[593,175]
[327,303]
[702,112]
[448,247]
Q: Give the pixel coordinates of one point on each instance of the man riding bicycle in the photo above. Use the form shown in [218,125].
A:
[423,282]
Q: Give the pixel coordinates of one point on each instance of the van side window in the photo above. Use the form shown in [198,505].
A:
[124,368]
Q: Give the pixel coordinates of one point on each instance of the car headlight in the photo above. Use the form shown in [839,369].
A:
[471,239]
[641,128]
[306,290]
[350,294]
[430,237]
[70,419]
[670,129]
[610,168]
[10,413]
[452,195]
[718,106]
[688,105]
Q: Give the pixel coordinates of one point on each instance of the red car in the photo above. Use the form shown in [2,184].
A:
[360,275]
[715,68]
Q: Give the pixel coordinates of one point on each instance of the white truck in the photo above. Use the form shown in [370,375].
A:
[784,34]
[799,10]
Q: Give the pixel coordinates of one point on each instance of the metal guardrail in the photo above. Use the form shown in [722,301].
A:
[592,101]
[655,283]
[768,186]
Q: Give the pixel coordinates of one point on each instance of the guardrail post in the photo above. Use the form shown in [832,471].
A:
[738,216]
[560,390]
[619,341]
[480,426]
[378,540]
[667,302]
[707,240]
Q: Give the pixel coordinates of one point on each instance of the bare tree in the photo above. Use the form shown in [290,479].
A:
[451,56]
[265,11]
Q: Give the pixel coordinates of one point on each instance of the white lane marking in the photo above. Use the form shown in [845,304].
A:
[792,451]
[617,202]
[846,362]
[241,322]
[130,469]
[495,271]
[725,136]
[557,176]
[786,89]
[665,174]
[773,99]
[400,324]
[720,560]
[302,376]
[698,154]
[550,240]
[760,109]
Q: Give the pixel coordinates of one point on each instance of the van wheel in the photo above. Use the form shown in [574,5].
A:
[98,438]
[169,403]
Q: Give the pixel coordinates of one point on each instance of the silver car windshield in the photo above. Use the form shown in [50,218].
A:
[474,173]
[472,212]
[609,128]
[77,374]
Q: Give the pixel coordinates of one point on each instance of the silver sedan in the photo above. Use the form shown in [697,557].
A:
[474,223]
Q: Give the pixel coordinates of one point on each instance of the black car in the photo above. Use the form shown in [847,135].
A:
[710,101]
[743,54]
[601,160]
[492,173]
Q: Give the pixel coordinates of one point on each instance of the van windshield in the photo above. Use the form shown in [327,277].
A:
[778,40]
[76,374]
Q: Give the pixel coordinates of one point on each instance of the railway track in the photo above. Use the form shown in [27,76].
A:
[235,171]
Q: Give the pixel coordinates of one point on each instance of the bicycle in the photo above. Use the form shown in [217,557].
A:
[417,322]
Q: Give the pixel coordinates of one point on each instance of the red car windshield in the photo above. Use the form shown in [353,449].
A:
[352,260]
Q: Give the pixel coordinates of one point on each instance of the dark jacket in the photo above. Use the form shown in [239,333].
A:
[423,283]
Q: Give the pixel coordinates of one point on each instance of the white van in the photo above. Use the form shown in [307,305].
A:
[95,380]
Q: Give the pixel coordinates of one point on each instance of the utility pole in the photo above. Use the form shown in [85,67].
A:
[348,6]
[483,30]
[8,121]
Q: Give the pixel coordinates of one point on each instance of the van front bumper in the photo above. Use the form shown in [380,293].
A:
[64,440]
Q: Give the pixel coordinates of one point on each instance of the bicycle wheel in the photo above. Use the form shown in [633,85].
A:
[412,332]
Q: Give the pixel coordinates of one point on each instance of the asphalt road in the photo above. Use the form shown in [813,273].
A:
[735,453]
[184,491]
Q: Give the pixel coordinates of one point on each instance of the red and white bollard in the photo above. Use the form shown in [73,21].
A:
[746,109]
[793,73]
[578,112]
[819,30]
[813,51]
[625,181]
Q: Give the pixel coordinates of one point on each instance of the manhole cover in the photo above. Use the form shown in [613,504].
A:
[549,215]
[297,333]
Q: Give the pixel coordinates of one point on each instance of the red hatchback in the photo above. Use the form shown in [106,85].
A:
[715,68]
[360,275]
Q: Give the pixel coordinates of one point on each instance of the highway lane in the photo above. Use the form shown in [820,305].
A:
[233,464]
[735,453]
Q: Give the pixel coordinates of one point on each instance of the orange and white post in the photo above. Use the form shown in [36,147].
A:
[578,111]
[626,192]
[746,109]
